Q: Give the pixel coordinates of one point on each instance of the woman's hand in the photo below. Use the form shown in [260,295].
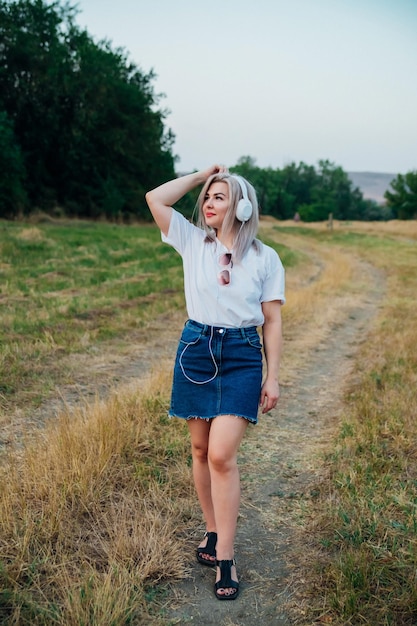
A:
[269,395]
[213,169]
[272,338]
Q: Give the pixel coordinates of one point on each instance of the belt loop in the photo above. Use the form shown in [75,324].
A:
[243,333]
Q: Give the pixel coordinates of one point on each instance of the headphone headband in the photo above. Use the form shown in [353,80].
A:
[242,185]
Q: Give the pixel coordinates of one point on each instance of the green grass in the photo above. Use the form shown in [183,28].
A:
[289,257]
[65,288]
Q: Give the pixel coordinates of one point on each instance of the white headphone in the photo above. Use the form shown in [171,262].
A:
[244,207]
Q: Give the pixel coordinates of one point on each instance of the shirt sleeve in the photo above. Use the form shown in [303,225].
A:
[179,233]
[274,284]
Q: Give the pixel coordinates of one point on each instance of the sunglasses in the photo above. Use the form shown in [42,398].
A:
[225,274]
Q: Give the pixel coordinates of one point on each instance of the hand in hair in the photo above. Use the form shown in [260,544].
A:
[214,169]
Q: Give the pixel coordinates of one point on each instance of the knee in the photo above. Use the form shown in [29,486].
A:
[199,452]
[220,462]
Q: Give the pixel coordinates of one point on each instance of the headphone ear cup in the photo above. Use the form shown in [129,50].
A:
[244,210]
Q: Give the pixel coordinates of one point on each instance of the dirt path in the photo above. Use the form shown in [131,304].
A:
[279,461]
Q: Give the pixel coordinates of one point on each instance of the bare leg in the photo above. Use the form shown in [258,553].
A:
[199,431]
[226,433]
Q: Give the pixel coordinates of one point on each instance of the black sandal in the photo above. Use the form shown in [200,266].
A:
[226,581]
[209,548]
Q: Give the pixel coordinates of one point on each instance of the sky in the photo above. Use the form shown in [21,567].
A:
[280,81]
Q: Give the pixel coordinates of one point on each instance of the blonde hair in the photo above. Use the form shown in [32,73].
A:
[243,233]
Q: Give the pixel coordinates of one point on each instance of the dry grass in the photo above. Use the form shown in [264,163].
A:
[89,515]
[307,301]
[390,228]
[319,289]
[90,512]
[358,549]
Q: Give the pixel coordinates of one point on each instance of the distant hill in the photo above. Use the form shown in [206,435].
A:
[372,184]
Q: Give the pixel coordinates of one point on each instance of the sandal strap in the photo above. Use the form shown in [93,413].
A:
[210,547]
[226,581]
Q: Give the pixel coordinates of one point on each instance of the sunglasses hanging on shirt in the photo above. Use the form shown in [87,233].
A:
[225,274]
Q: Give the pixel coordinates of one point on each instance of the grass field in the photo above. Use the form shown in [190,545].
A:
[65,288]
[83,539]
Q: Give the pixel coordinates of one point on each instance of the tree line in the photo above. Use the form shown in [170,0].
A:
[402,198]
[81,129]
[80,126]
[309,193]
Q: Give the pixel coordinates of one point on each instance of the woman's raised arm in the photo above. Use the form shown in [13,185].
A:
[161,199]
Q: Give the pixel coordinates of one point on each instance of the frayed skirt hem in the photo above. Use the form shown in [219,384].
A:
[251,420]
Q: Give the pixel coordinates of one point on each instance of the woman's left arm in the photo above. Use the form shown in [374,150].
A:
[272,340]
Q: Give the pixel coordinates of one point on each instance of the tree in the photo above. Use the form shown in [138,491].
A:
[266,182]
[29,58]
[12,174]
[303,189]
[298,183]
[84,118]
[332,192]
[403,198]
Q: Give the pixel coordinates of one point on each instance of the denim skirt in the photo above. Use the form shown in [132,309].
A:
[218,371]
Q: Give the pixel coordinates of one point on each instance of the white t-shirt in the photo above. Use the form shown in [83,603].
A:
[258,277]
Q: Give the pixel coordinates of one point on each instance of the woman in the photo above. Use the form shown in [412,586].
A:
[233,284]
